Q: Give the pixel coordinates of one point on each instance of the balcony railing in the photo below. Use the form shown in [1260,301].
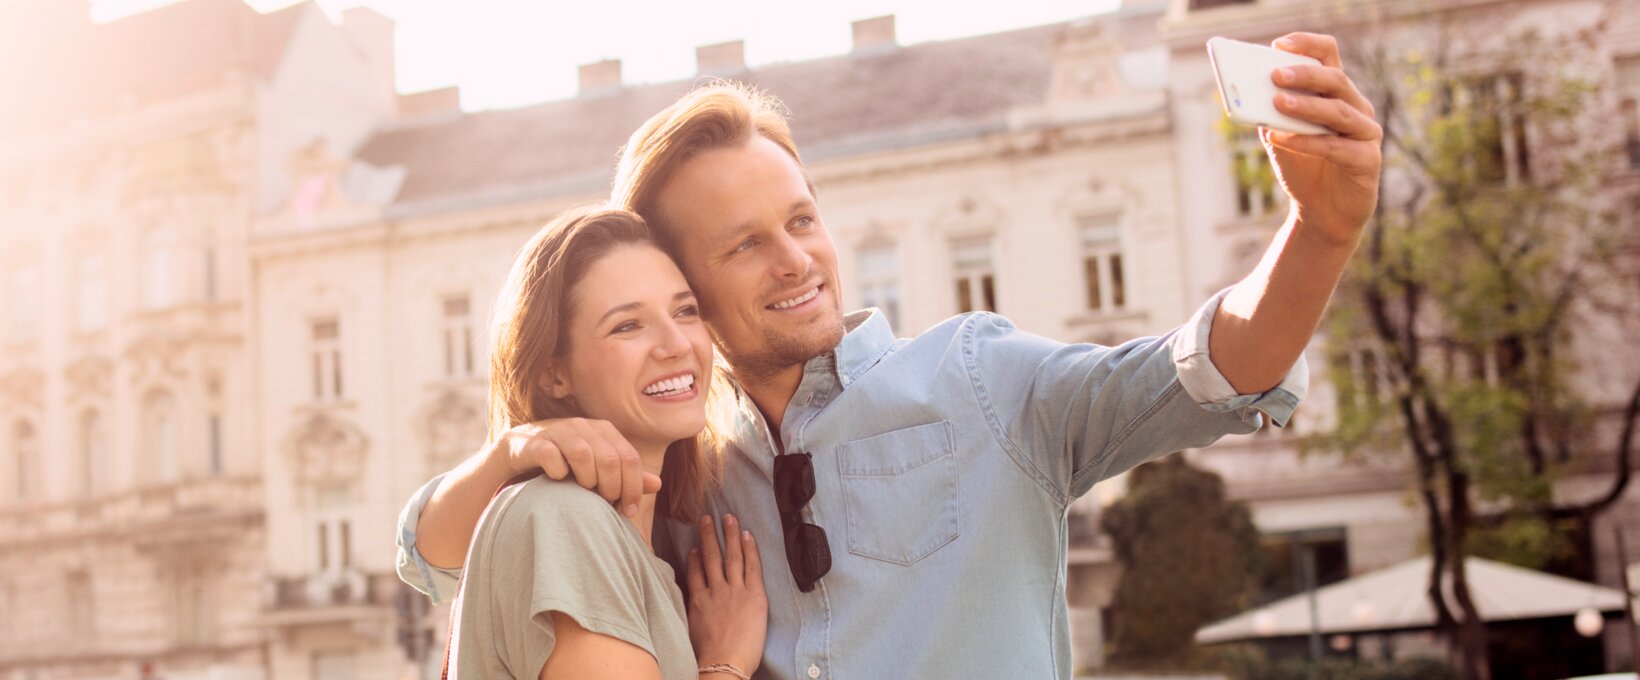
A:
[132,510]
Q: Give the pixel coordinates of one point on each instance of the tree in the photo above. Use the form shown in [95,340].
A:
[1459,339]
[1188,557]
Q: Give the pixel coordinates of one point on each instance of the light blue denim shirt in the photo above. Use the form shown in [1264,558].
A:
[944,467]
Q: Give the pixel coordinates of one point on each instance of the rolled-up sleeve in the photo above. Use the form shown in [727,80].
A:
[1212,391]
[437,583]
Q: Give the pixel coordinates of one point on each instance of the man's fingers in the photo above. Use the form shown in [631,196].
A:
[754,561]
[1319,45]
[651,482]
[609,470]
[632,475]
[733,566]
[547,456]
[1335,114]
[578,452]
[711,555]
[693,575]
[1324,81]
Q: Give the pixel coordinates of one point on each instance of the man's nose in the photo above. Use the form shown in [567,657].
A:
[792,261]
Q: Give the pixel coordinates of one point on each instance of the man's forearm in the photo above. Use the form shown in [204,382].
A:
[1267,318]
[445,528]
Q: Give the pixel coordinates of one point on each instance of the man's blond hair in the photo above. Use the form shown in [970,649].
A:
[716,115]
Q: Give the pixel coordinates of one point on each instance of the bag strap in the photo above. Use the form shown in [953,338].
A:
[455,604]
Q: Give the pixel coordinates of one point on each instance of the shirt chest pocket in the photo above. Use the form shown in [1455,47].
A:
[900,493]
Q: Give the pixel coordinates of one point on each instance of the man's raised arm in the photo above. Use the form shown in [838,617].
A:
[1267,318]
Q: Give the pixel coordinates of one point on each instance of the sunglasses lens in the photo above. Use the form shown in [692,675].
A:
[808,554]
[793,481]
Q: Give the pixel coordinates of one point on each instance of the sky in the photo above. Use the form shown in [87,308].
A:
[508,53]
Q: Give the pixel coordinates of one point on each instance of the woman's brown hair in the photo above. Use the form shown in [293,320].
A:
[531,329]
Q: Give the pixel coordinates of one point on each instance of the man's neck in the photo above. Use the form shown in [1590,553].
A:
[772,392]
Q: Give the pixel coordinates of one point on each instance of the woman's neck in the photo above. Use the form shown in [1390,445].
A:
[652,457]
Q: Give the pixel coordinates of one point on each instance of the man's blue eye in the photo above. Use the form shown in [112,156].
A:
[745,244]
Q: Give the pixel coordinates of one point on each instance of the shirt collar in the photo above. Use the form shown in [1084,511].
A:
[867,341]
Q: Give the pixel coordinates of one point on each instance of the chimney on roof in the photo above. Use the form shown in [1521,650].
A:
[722,59]
[600,78]
[372,34]
[875,35]
[430,102]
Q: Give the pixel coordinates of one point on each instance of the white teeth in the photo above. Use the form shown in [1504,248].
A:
[681,383]
[797,300]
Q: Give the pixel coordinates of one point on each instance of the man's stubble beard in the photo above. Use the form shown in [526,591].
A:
[783,351]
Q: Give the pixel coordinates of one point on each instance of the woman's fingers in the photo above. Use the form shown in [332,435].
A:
[1335,114]
[710,553]
[754,562]
[693,574]
[734,569]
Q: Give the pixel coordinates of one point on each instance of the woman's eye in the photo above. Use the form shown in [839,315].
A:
[689,310]
[626,327]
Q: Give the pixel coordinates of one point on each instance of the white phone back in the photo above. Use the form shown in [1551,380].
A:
[1243,72]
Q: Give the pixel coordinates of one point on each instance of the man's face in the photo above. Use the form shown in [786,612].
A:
[755,252]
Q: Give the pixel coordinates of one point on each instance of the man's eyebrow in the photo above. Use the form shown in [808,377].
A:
[676,297]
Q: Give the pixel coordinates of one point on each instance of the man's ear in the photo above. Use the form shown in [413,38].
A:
[555,381]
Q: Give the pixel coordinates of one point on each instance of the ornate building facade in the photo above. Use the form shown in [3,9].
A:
[245,290]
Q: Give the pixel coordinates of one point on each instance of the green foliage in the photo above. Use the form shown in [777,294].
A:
[1189,556]
[1463,299]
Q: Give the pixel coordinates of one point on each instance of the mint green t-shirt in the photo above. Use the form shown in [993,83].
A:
[544,546]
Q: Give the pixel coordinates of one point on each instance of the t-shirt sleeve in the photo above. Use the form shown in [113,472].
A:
[558,551]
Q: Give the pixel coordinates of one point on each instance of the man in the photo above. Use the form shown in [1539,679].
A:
[919,487]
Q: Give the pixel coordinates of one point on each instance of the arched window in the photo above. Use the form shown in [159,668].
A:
[158,269]
[94,463]
[159,440]
[26,460]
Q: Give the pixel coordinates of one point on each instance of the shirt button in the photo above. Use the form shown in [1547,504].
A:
[814,671]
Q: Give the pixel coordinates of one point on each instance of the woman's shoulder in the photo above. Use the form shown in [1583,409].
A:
[560,510]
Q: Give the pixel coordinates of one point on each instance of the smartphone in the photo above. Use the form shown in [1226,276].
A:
[1243,71]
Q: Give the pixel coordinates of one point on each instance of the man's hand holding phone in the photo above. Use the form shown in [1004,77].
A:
[1331,178]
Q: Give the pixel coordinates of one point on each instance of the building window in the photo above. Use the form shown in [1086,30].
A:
[157,290]
[25,300]
[1628,93]
[1102,272]
[25,451]
[191,607]
[214,434]
[210,274]
[458,337]
[332,531]
[1493,108]
[1294,558]
[879,282]
[91,293]
[975,275]
[1256,193]
[159,439]
[327,360]
[81,607]
[93,454]
[333,666]
[1210,4]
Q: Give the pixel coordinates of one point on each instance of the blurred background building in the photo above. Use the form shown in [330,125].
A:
[244,287]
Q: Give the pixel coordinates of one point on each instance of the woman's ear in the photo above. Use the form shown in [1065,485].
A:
[554,381]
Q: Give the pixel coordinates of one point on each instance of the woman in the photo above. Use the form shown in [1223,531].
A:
[596,322]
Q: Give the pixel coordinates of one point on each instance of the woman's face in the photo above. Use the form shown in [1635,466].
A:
[640,357]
